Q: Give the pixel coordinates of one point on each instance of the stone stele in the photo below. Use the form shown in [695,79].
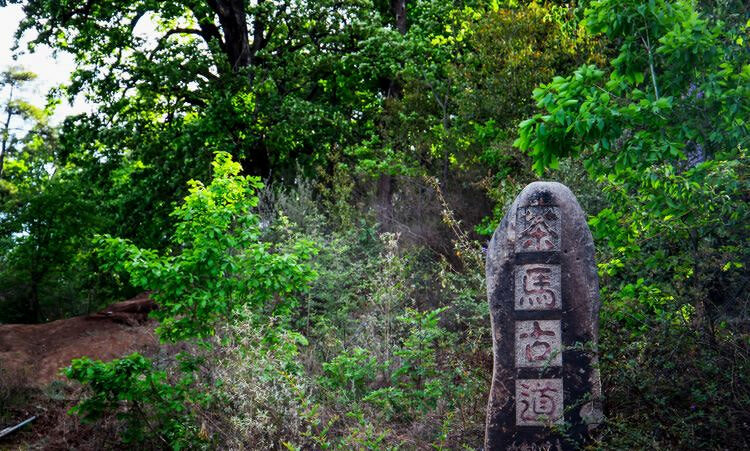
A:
[543,292]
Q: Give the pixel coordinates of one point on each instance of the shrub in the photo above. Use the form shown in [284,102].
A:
[222,264]
[265,395]
[155,409]
[222,271]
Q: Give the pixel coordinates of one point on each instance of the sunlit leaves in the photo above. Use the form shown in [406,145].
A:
[221,264]
[644,112]
[663,131]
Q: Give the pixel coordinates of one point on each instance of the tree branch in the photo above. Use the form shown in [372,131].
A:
[184,31]
[647,44]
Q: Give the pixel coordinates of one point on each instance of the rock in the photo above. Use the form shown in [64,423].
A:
[543,291]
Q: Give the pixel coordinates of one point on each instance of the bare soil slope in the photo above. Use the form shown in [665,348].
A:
[36,352]
[31,356]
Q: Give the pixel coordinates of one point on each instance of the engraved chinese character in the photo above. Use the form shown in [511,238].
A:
[544,446]
[539,402]
[538,287]
[538,343]
[538,229]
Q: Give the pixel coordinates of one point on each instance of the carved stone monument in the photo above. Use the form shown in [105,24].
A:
[543,292]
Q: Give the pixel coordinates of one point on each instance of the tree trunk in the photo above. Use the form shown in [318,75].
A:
[234,25]
[233,19]
[446,152]
[6,131]
[35,311]
[256,161]
[399,12]
[386,182]
[385,202]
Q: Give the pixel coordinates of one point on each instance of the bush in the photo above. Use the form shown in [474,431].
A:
[155,409]
[669,386]
[266,396]
[222,271]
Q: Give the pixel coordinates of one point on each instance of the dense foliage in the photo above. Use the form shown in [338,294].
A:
[340,303]
[663,131]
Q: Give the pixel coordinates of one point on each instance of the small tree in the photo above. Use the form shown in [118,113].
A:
[218,267]
[665,130]
[15,110]
[35,229]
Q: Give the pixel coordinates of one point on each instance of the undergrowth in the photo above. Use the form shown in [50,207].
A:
[388,347]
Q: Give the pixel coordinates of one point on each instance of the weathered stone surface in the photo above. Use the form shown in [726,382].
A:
[540,402]
[538,343]
[538,287]
[543,292]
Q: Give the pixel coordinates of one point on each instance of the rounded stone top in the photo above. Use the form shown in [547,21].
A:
[546,193]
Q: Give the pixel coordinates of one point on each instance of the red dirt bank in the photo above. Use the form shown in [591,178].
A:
[36,352]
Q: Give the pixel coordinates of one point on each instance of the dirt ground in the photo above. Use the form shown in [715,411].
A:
[38,351]
[31,356]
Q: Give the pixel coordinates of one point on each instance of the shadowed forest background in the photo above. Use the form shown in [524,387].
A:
[306,188]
